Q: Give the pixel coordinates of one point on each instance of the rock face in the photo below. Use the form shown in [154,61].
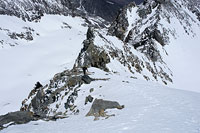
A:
[62,91]
[92,55]
[100,105]
[106,9]
[147,29]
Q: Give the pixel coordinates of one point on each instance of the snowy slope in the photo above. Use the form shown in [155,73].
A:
[165,31]
[53,51]
[149,108]
[46,51]
[57,41]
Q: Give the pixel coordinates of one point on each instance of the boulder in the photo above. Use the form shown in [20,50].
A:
[38,104]
[18,117]
[88,99]
[100,105]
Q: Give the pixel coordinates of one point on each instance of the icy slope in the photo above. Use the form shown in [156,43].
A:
[149,108]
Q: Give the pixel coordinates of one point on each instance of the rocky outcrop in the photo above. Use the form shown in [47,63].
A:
[100,105]
[92,55]
[147,29]
[106,9]
[33,10]
[62,91]
[88,99]
[19,117]
[63,86]
[120,24]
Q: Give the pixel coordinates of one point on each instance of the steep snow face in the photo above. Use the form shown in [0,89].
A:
[149,108]
[165,31]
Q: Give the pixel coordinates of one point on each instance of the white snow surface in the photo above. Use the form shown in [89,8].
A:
[149,108]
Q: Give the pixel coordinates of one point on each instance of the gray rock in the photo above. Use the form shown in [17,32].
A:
[91,90]
[88,99]
[18,117]
[39,105]
[100,105]
[90,33]
[87,79]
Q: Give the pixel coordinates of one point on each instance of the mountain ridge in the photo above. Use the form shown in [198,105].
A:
[156,41]
[34,9]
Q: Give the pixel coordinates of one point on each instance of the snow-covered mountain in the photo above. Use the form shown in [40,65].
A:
[32,10]
[155,42]
[160,29]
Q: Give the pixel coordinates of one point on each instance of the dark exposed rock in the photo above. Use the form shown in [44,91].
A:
[53,93]
[38,104]
[38,85]
[90,33]
[18,117]
[91,90]
[143,12]
[73,81]
[120,24]
[26,35]
[92,55]
[86,79]
[88,99]
[106,9]
[33,10]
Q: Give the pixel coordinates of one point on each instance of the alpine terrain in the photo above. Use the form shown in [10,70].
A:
[99,66]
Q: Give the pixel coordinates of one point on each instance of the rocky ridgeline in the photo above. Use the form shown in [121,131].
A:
[57,99]
[91,55]
[140,28]
[33,10]
[143,37]
[120,24]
